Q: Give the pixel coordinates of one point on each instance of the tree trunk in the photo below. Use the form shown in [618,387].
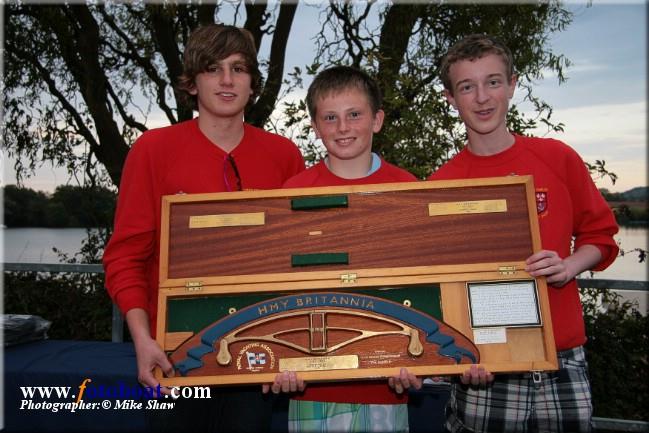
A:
[395,35]
[262,109]
[80,47]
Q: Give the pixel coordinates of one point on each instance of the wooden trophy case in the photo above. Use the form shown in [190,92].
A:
[352,282]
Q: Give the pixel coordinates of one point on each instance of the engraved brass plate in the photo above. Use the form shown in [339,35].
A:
[227,220]
[465,207]
[313,363]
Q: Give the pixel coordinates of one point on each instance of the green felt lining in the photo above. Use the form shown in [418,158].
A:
[321,202]
[319,259]
[196,312]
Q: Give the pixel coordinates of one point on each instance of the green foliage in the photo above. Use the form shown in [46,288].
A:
[86,206]
[637,194]
[69,206]
[77,304]
[627,214]
[24,207]
[630,207]
[617,352]
[599,170]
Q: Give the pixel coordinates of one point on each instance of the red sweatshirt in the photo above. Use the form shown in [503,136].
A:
[568,205]
[361,391]
[173,160]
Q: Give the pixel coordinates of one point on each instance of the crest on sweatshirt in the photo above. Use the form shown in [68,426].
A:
[541,201]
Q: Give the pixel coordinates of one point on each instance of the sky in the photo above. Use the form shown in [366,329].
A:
[604,102]
[602,105]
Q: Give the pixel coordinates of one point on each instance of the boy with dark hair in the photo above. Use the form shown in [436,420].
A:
[479,81]
[214,152]
[207,44]
[345,108]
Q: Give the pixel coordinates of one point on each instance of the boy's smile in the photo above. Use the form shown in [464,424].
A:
[345,123]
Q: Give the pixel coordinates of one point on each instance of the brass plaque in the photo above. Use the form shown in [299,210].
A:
[227,220]
[312,363]
[465,207]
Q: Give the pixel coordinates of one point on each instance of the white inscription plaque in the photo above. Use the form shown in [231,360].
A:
[504,304]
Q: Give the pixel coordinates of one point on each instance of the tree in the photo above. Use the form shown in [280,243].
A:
[24,207]
[616,348]
[69,206]
[76,74]
[90,207]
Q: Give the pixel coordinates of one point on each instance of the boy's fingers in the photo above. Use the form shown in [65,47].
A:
[147,379]
[292,381]
[418,382]
[479,376]
[276,386]
[286,384]
[465,378]
[405,378]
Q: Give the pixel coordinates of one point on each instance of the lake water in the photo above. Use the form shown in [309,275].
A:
[34,245]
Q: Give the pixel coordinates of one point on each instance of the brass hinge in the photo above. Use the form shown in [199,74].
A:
[348,278]
[507,270]
[193,286]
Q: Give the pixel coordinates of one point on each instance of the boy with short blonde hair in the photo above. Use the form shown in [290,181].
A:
[345,108]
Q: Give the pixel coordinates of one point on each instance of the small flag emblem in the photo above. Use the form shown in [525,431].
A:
[256,358]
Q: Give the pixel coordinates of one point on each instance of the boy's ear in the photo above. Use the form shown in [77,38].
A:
[450,98]
[193,90]
[512,85]
[377,123]
[315,129]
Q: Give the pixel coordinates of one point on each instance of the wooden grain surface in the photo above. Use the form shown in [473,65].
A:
[379,230]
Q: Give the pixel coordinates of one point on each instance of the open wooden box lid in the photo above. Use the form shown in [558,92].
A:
[370,230]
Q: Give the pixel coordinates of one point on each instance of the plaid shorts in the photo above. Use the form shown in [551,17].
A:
[315,416]
[559,402]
